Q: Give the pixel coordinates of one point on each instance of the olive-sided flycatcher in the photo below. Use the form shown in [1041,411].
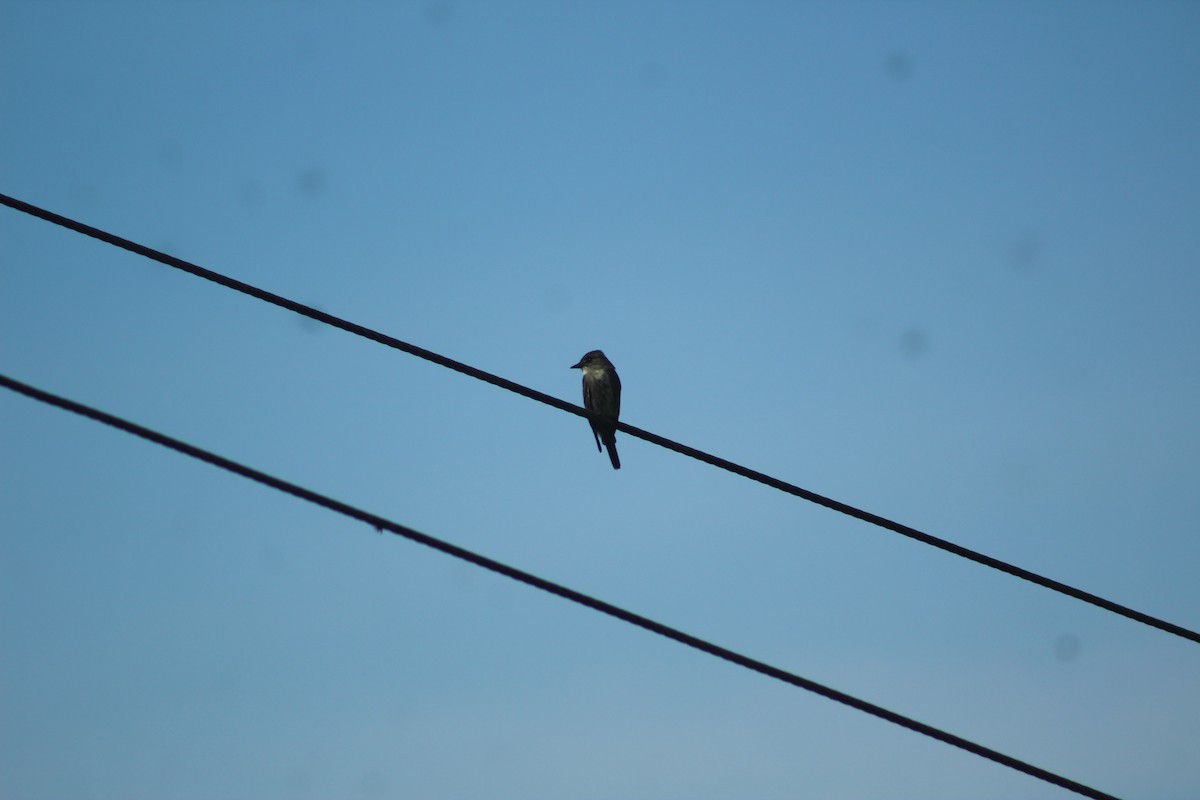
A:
[602,396]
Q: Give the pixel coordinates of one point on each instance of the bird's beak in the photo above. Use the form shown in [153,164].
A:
[577,366]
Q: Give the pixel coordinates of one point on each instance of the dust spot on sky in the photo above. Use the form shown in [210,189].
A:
[86,195]
[556,298]
[249,192]
[170,153]
[1067,647]
[312,181]
[272,560]
[437,14]
[898,66]
[298,782]
[373,784]
[306,50]
[310,325]
[652,74]
[1024,253]
[914,342]
[1017,473]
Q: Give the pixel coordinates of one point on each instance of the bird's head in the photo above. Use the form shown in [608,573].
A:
[595,358]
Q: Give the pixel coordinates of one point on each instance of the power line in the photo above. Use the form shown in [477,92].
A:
[559,590]
[533,394]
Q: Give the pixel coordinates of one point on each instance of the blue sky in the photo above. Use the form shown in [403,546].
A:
[939,261]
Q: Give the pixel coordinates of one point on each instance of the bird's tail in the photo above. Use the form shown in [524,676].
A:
[611,444]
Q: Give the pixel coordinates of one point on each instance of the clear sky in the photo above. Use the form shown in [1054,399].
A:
[937,260]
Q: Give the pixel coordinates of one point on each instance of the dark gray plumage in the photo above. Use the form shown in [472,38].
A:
[602,396]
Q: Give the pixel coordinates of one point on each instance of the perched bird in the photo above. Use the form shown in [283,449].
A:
[602,396]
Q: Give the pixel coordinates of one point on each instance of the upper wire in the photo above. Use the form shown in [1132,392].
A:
[562,405]
[382,524]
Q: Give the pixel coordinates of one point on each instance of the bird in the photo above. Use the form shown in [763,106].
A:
[602,397]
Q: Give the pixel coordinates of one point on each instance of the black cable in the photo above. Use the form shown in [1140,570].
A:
[564,592]
[533,394]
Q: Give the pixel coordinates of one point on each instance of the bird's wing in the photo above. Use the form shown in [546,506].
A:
[587,403]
